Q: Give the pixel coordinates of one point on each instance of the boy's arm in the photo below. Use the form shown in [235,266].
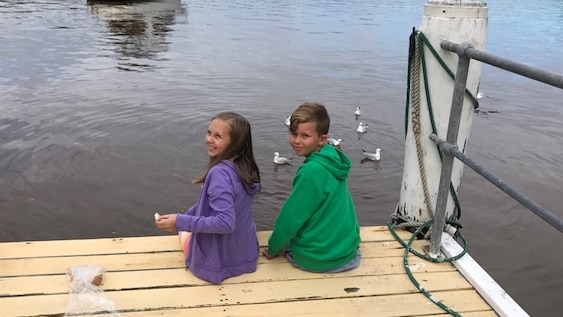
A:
[302,202]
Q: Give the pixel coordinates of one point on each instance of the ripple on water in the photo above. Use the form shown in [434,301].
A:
[104,111]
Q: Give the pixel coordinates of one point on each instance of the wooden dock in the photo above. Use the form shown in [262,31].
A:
[146,276]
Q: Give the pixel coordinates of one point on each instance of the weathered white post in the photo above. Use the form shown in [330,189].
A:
[459,22]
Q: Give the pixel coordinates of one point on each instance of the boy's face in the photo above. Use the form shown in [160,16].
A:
[305,139]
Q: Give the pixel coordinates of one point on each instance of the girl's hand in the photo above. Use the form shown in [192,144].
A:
[166,223]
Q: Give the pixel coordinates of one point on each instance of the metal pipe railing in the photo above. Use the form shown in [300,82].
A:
[543,213]
[514,67]
[448,159]
[449,146]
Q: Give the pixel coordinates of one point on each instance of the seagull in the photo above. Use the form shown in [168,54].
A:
[334,142]
[288,121]
[358,113]
[481,95]
[373,156]
[362,128]
[281,160]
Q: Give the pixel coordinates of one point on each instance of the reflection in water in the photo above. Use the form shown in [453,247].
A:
[360,134]
[376,165]
[138,29]
[282,166]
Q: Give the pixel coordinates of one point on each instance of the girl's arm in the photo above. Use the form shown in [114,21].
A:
[220,214]
[190,210]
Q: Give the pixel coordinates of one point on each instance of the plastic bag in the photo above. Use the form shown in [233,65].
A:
[85,297]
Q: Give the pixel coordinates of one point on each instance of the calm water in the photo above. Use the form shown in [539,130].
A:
[103,111]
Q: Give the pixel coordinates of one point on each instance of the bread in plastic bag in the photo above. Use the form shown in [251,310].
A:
[85,297]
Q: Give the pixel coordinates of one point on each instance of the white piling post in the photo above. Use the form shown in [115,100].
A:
[459,22]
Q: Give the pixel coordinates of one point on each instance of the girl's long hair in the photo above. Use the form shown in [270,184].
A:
[239,150]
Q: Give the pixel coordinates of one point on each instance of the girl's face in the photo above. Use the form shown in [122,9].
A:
[218,137]
[305,139]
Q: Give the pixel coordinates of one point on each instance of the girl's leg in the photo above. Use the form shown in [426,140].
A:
[185,241]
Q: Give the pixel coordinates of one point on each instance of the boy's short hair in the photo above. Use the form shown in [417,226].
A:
[311,112]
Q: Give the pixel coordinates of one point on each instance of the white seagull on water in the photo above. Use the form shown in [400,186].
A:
[281,160]
[362,128]
[288,121]
[373,156]
[334,142]
[358,113]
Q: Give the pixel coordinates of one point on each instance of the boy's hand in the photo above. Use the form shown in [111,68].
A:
[267,255]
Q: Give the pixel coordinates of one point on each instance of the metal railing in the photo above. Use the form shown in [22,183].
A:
[449,146]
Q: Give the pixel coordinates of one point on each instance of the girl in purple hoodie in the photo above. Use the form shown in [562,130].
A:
[223,240]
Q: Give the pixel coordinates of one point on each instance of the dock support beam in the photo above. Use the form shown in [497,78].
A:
[448,158]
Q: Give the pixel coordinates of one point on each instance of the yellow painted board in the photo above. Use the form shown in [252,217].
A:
[166,260]
[117,262]
[51,248]
[355,307]
[274,270]
[414,304]
[369,249]
[14,250]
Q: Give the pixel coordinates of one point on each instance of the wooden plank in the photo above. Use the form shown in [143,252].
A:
[164,260]
[54,248]
[15,250]
[114,262]
[250,293]
[20,266]
[338,307]
[369,249]
[270,271]
[355,307]
[389,306]
[169,259]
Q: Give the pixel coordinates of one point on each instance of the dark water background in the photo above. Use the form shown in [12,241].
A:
[103,111]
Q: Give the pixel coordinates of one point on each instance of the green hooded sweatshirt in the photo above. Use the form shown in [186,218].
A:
[318,219]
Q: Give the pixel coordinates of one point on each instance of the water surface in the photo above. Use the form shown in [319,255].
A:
[104,108]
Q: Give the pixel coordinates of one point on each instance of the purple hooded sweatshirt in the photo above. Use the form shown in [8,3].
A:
[223,242]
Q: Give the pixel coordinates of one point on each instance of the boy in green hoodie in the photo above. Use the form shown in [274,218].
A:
[317,228]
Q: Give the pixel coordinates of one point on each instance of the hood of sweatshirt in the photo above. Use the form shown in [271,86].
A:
[253,189]
[333,160]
